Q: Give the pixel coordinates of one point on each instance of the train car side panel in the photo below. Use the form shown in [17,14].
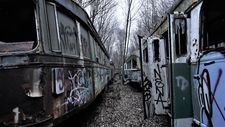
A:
[209,75]
[102,76]
[210,89]
[72,88]
[18,98]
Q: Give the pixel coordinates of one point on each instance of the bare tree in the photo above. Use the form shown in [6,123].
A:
[151,13]
[84,3]
[128,16]
[117,48]
[102,16]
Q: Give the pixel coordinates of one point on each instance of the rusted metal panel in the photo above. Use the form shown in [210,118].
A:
[101,76]
[16,46]
[20,90]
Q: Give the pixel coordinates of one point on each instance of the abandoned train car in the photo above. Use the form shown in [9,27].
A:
[185,71]
[52,62]
[132,69]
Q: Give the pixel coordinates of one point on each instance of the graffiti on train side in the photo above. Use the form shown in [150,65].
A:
[68,34]
[102,75]
[182,83]
[147,97]
[211,94]
[79,88]
[159,87]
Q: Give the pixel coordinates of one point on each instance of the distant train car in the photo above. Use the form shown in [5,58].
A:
[132,68]
[184,73]
[52,62]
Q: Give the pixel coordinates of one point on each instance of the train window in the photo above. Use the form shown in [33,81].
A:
[156,50]
[92,47]
[85,42]
[68,34]
[17,26]
[145,54]
[53,31]
[97,51]
[134,63]
[101,58]
[165,36]
[213,26]
[180,36]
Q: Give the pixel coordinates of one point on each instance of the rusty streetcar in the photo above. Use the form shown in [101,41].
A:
[52,62]
[184,64]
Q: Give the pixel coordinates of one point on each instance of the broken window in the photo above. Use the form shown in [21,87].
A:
[17,26]
[156,50]
[180,36]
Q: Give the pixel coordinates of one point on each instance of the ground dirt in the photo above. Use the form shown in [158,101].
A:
[118,106]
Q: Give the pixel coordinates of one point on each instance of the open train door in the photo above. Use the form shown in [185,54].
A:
[158,68]
[179,70]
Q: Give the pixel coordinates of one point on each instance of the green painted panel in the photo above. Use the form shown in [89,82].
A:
[182,104]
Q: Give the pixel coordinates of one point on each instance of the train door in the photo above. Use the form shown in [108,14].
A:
[158,75]
[209,74]
[179,68]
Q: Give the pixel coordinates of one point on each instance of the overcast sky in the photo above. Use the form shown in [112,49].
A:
[122,10]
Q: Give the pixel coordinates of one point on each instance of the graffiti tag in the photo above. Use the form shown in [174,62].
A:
[79,87]
[159,85]
[182,83]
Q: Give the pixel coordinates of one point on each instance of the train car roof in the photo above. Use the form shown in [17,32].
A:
[180,6]
[83,17]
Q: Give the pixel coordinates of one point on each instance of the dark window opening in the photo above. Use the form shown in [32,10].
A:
[17,26]
[156,50]
[145,54]
[213,20]
[165,36]
[134,63]
[180,37]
